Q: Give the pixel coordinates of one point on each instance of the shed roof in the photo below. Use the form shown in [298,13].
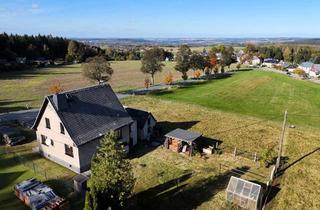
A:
[183,135]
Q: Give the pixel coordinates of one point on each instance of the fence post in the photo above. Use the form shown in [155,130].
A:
[235,151]
[255,157]
[33,167]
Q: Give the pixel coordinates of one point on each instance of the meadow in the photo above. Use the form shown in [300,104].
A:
[298,187]
[255,93]
[244,110]
[19,90]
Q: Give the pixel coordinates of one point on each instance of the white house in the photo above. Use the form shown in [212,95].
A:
[145,123]
[69,125]
[306,66]
[239,54]
[255,61]
[315,70]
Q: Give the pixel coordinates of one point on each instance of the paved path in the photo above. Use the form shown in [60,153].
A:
[27,117]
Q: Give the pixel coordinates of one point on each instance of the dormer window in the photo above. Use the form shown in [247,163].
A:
[62,129]
[48,123]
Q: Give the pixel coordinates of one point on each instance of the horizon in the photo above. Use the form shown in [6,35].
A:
[161,19]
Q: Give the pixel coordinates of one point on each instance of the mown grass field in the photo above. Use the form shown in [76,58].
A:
[22,89]
[256,93]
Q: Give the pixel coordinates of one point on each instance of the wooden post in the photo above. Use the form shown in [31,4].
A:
[281,140]
[235,151]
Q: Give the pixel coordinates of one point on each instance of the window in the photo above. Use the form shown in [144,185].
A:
[52,143]
[43,140]
[118,133]
[149,121]
[68,150]
[61,128]
[48,123]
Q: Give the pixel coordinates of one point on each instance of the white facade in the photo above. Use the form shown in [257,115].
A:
[54,146]
[255,61]
[53,143]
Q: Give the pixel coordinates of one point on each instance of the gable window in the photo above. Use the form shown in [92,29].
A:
[118,133]
[47,123]
[62,129]
[68,150]
[43,140]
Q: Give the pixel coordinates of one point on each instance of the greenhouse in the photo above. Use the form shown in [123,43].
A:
[243,194]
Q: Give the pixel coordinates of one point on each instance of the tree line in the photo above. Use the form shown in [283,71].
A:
[40,47]
[288,53]
[134,53]
[216,59]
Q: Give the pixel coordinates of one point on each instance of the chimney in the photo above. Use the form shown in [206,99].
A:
[60,101]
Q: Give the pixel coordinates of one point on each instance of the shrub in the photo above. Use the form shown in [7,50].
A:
[147,82]
[268,156]
[168,79]
[238,66]
[216,70]
[207,70]
[197,74]
[299,72]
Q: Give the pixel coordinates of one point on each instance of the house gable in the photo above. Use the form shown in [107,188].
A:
[55,131]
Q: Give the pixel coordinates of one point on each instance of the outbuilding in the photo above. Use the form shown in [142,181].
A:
[181,141]
[145,122]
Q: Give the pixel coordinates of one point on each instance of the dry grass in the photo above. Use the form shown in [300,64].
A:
[299,186]
[28,88]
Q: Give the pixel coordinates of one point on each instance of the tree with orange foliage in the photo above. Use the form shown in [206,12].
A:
[147,82]
[197,74]
[213,60]
[168,79]
[55,87]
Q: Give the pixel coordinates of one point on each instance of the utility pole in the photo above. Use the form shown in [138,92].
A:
[281,140]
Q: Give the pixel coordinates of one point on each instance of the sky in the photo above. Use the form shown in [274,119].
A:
[162,18]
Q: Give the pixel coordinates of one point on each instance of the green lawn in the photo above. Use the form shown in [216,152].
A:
[13,172]
[256,93]
[28,88]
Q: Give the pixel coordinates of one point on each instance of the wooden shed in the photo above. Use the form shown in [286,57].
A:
[181,141]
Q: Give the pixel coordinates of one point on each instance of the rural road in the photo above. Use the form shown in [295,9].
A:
[27,117]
